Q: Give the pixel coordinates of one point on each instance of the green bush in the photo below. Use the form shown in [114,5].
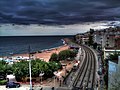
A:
[21,69]
[54,57]
[3,82]
[5,69]
[65,54]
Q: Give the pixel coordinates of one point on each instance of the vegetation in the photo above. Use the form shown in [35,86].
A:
[3,82]
[5,69]
[21,69]
[65,54]
[90,42]
[54,57]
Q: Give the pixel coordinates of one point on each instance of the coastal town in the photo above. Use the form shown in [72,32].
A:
[67,67]
[59,44]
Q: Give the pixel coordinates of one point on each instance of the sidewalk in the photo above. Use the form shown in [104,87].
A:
[101,79]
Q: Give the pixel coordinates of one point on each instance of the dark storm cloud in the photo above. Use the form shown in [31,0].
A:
[58,11]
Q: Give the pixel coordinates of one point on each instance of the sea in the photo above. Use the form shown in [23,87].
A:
[10,45]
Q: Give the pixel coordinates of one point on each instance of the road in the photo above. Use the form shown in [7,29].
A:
[26,87]
[21,88]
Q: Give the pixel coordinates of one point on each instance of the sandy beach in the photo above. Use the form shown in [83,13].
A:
[46,54]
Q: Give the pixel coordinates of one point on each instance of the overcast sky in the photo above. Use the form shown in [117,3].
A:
[41,30]
[58,11]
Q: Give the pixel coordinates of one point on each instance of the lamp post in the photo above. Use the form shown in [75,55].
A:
[30,68]
[30,74]
[41,75]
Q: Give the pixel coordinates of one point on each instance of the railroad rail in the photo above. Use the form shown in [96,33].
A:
[87,71]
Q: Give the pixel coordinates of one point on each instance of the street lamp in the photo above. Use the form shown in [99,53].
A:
[30,67]
[30,73]
[41,74]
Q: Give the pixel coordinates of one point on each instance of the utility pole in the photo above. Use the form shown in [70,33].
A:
[30,68]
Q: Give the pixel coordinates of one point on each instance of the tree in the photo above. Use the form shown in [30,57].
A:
[8,69]
[5,69]
[65,54]
[55,66]
[73,53]
[54,57]
[2,69]
[90,42]
[21,69]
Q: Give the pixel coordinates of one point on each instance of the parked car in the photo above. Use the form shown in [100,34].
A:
[12,85]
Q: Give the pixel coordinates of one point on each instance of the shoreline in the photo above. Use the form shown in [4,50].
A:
[45,54]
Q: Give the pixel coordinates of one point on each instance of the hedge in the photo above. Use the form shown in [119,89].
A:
[3,82]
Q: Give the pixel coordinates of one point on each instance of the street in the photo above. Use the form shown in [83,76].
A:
[20,88]
[26,87]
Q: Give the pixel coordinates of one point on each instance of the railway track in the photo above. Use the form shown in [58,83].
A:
[86,73]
